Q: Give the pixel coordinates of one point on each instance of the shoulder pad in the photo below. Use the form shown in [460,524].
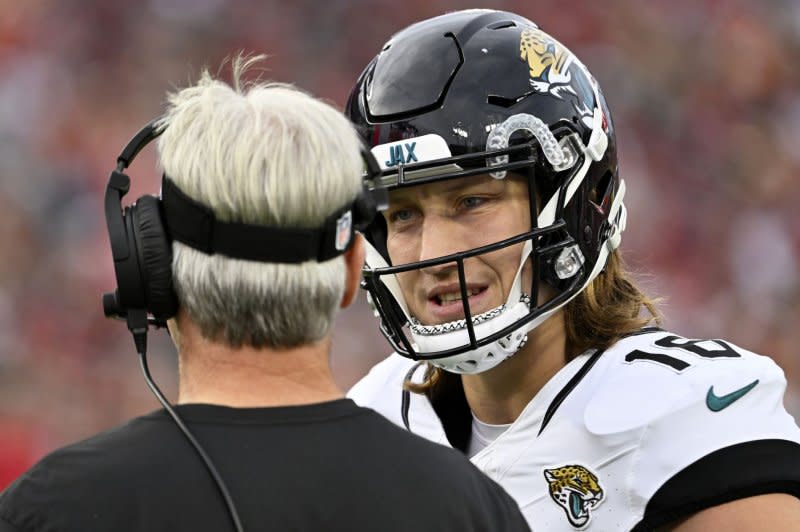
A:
[652,375]
[384,378]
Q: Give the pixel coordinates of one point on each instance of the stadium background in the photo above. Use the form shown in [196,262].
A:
[705,96]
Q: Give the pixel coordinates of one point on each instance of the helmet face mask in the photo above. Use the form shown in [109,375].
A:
[456,116]
[496,332]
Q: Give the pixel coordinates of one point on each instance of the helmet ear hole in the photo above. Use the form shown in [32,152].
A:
[502,24]
[600,195]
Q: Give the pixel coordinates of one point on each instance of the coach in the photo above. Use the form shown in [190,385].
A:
[249,253]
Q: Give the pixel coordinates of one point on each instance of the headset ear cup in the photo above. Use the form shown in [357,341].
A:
[155,258]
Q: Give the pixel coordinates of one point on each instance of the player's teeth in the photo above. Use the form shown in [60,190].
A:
[456,296]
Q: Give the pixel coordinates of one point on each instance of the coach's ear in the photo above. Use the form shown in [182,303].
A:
[354,260]
[174,327]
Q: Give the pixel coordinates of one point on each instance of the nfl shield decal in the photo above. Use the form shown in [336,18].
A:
[576,490]
[343,230]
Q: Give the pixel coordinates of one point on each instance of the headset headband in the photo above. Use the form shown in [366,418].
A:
[192,223]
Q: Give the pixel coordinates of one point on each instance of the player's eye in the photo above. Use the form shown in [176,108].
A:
[400,215]
[471,202]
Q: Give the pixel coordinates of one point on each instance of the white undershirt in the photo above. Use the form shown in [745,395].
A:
[483,434]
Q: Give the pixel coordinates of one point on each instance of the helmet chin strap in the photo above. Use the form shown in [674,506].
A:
[374,260]
[455,332]
[618,217]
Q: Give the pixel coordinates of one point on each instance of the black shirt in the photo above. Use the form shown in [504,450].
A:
[327,466]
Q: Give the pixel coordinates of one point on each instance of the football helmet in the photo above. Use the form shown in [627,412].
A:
[480,92]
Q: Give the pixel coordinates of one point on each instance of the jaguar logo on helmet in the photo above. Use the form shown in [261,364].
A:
[548,61]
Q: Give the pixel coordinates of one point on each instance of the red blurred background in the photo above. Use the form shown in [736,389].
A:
[705,95]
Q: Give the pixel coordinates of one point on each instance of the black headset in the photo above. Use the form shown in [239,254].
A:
[141,237]
[140,247]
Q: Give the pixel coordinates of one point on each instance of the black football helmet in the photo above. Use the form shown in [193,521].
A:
[488,92]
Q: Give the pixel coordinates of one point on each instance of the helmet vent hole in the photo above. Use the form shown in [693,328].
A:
[500,101]
[600,195]
[502,24]
[489,355]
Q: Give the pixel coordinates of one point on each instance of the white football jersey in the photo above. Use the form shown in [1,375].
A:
[651,430]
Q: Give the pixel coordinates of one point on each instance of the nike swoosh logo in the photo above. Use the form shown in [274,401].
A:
[715,403]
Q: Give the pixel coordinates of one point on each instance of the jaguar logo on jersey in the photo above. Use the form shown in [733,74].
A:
[548,62]
[576,490]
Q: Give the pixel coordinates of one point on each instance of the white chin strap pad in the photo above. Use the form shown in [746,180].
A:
[375,260]
[488,356]
[485,357]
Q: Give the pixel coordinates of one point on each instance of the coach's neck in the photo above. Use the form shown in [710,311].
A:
[211,372]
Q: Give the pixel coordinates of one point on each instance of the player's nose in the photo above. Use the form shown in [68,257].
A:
[440,237]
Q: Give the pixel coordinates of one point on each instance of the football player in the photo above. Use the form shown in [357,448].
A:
[519,337]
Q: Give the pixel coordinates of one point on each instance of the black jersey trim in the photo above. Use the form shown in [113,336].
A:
[576,379]
[567,389]
[735,472]
[449,402]
[405,399]
[644,330]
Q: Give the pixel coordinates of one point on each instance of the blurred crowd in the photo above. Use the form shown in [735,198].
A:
[706,100]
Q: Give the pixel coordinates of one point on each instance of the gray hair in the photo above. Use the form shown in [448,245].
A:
[264,154]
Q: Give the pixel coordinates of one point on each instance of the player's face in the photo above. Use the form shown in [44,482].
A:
[445,217]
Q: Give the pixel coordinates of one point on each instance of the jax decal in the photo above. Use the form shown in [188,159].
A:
[402,153]
[409,151]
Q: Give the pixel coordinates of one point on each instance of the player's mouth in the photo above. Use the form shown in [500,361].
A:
[445,302]
[450,298]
